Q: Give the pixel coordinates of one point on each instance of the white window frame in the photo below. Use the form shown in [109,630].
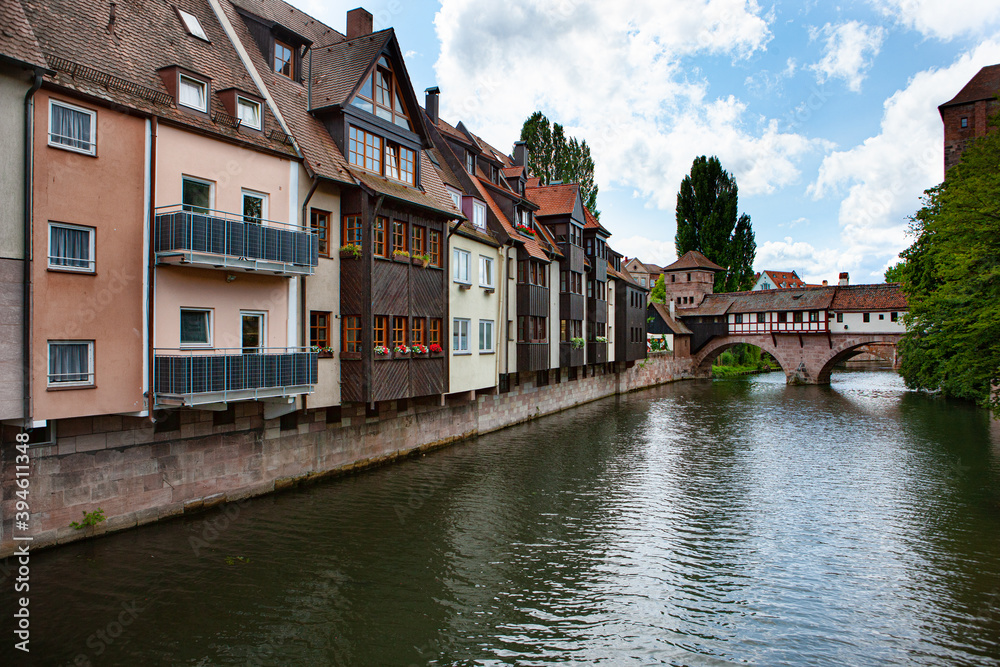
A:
[486,265]
[457,335]
[260,112]
[456,197]
[192,24]
[202,181]
[93,128]
[181,78]
[262,314]
[491,326]
[90,382]
[479,214]
[462,259]
[91,263]
[244,193]
[210,316]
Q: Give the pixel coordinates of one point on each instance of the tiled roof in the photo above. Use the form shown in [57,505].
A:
[513,172]
[554,199]
[789,278]
[17,41]
[693,259]
[870,297]
[983,86]
[339,68]
[674,325]
[144,38]
[624,277]
[546,240]
[807,298]
[533,245]
[321,153]
[591,221]
[652,268]
[430,180]
[282,13]
[403,193]
[444,170]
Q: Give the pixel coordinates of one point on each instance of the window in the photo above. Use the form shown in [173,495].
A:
[418,334]
[352,230]
[866,317]
[814,316]
[380,335]
[254,206]
[191,93]
[197,195]
[248,111]
[320,221]
[485,335]
[761,318]
[461,259]
[71,248]
[378,236]
[456,198]
[386,102]
[485,272]
[192,24]
[319,329]
[840,318]
[460,335]
[881,316]
[196,327]
[479,214]
[352,333]
[71,363]
[398,236]
[284,62]
[417,240]
[72,128]
[642,281]
[365,150]
[434,247]
[673,278]
[689,277]
[254,332]
[797,316]
[783,317]
[893,317]
[398,331]
[470,162]
[399,163]
[965,122]
[738,318]
[435,335]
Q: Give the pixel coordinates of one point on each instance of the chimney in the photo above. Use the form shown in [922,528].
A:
[431,103]
[672,311]
[844,279]
[826,283]
[520,153]
[359,23]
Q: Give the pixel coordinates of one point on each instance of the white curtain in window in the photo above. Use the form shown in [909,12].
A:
[250,113]
[69,247]
[71,127]
[69,362]
[192,94]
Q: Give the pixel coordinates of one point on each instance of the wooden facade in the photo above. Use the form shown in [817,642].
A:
[630,322]
[532,304]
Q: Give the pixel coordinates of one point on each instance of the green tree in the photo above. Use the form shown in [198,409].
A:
[659,292]
[951,276]
[707,221]
[554,157]
[894,274]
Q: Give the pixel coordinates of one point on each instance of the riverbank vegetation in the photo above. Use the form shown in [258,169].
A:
[743,359]
[951,276]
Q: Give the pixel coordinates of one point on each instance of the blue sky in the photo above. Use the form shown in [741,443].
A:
[826,113]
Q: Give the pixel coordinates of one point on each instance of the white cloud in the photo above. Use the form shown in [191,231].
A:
[944,20]
[812,264]
[613,74]
[848,53]
[885,175]
[648,250]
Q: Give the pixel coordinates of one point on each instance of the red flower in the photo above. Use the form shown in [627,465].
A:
[435,348]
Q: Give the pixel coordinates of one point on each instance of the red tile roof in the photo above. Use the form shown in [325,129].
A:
[983,86]
[339,68]
[282,13]
[535,246]
[887,296]
[591,221]
[693,259]
[789,278]
[554,199]
[17,41]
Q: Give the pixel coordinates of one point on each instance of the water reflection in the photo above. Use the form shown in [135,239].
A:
[699,523]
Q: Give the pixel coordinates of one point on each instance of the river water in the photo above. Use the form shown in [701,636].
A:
[698,523]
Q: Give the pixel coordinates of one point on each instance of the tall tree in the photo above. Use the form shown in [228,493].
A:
[951,276]
[707,221]
[659,292]
[554,157]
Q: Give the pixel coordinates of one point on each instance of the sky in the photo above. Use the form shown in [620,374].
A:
[825,112]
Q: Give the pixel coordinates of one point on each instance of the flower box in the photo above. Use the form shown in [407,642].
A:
[350,356]
[401,256]
[350,251]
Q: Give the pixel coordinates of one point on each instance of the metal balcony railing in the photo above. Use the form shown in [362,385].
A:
[193,377]
[206,237]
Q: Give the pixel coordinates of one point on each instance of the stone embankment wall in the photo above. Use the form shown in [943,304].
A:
[137,475]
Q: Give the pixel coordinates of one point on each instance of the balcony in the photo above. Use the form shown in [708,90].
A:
[206,238]
[570,356]
[597,352]
[198,377]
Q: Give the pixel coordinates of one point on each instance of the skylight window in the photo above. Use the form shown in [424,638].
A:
[192,24]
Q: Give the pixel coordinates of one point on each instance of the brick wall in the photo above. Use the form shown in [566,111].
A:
[137,475]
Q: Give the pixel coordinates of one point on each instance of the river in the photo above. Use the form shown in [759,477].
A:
[698,523]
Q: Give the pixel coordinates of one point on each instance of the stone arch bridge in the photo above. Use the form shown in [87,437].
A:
[806,357]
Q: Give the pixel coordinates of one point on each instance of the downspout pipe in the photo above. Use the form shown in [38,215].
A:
[29,107]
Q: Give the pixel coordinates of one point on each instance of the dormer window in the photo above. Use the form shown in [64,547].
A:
[192,24]
[192,93]
[379,94]
[479,214]
[248,112]
[470,162]
[284,61]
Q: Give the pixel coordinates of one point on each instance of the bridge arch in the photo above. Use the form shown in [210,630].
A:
[842,353]
[707,355]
